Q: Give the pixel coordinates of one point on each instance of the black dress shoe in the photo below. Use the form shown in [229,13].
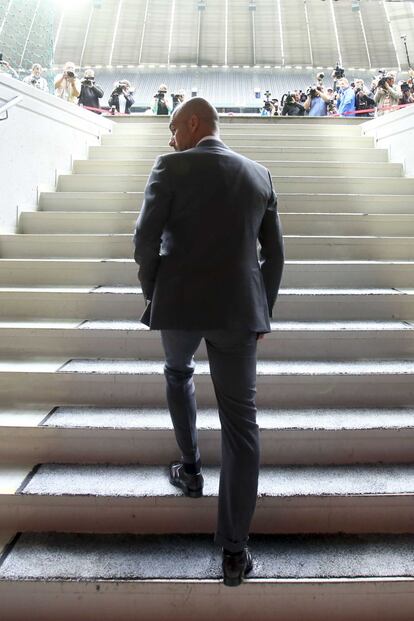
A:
[236,566]
[190,484]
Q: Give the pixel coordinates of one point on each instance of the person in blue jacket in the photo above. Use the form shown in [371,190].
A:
[345,103]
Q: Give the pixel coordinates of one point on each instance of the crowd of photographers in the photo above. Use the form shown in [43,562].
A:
[343,98]
[86,92]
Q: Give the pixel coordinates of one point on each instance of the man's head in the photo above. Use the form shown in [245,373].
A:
[37,70]
[69,67]
[89,74]
[191,121]
[343,83]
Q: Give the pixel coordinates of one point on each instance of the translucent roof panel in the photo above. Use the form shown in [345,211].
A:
[157,32]
[380,44]
[401,16]
[295,33]
[231,32]
[269,44]
[128,36]
[213,33]
[351,35]
[185,32]
[240,33]
[71,35]
[322,28]
[100,34]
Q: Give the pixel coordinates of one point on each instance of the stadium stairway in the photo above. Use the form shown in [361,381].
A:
[89,526]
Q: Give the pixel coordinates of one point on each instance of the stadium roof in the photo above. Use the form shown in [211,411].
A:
[357,33]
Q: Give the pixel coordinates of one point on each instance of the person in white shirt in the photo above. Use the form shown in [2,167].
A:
[35,78]
[67,84]
[5,67]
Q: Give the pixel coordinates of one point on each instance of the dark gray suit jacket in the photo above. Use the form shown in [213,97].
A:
[196,241]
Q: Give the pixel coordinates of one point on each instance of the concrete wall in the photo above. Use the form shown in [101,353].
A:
[395,131]
[41,135]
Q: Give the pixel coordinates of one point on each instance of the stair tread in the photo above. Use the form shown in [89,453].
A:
[135,325]
[115,557]
[306,368]
[122,289]
[27,237]
[111,481]
[91,260]
[153,419]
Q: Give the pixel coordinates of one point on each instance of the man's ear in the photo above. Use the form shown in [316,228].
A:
[194,123]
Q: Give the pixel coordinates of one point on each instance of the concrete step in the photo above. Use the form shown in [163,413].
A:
[107,302]
[99,222]
[229,119]
[283,184]
[324,577]
[276,167]
[253,129]
[140,499]
[105,382]
[301,274]
[235,140]
[287,202]
[336,152]
[120,246]
[130,435]
[131,339]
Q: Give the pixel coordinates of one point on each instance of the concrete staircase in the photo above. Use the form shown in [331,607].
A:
[89,526]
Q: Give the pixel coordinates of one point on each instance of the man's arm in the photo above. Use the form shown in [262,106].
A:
[150,224]
[271,251]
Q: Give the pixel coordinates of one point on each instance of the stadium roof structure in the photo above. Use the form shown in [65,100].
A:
[208,33]
[357,33]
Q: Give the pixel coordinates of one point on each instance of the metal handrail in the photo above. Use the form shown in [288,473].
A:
[10,104]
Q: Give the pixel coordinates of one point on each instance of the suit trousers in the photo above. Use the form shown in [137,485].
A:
[232,358]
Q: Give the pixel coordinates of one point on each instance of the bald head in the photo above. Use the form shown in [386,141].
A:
[191,121]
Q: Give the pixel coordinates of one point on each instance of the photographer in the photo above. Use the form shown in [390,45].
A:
[386,94]
[5,67]
[291,105]
[177,99]
[91,92]
[363,99]
[35,79]
[268,107]
[162,104]
[317,101]
[67,84]
[121,98]
[345,102]
[407,93]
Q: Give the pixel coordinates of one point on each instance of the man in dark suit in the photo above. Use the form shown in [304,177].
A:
[205,208]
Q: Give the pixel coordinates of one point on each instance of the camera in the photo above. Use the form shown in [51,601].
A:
[176,98]
[33,81]
[338,72]
[268,95]
[320,77]
[70,74]
[88,81]
[382,82]
[160,95]
[312,92]
[118,88]
[288,99]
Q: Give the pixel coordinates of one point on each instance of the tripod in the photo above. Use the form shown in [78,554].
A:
[404,40]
